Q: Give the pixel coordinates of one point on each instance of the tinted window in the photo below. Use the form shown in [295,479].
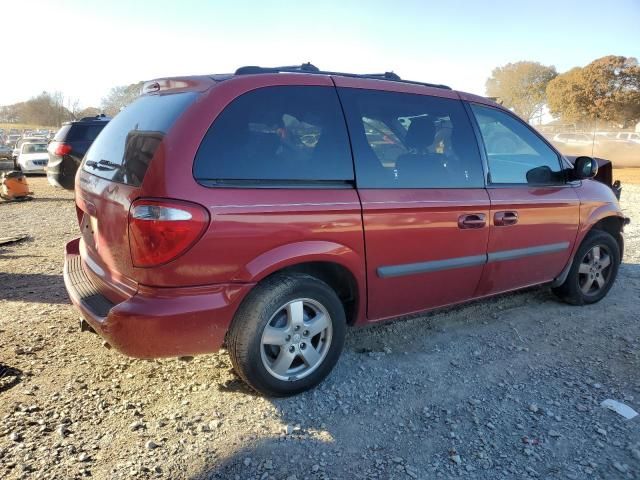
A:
[514,152]
[126,145]
[84,133]
[277,134]
[403,140]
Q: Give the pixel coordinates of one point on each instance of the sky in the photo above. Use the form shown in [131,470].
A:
[82,48]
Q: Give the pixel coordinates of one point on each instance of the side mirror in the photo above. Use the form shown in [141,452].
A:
[585,167]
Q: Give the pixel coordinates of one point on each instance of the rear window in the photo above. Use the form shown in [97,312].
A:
[124,149]
[84,132]
[283,135]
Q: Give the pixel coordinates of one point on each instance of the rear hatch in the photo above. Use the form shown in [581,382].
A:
[111,179]
[67,149]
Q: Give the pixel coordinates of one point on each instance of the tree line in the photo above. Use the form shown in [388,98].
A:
[606,91]
[51,109]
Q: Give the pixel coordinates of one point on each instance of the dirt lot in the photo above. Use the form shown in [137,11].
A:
[508,388]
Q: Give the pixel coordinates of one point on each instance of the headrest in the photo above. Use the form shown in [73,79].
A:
[421,133]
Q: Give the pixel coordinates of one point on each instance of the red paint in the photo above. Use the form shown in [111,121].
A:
[411,226]
[546,216]
[185,305]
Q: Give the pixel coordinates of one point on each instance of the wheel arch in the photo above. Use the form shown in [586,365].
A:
[614,226]
[609,221]
[337,265]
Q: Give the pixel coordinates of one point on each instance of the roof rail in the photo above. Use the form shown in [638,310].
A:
[310,68]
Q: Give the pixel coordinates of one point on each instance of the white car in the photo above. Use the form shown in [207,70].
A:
[578,139]
[23,140]
[629,136]
[33,157]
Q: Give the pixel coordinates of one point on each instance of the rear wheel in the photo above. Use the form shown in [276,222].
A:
[594,269]
[287,335]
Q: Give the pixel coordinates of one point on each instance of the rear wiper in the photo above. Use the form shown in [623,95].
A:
[108,163]
[102,165]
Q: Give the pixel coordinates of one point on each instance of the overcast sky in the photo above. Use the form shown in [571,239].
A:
[84,47]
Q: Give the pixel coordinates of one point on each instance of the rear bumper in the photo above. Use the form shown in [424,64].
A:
[155,322]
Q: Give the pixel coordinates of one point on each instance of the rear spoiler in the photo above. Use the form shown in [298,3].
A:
[604,175]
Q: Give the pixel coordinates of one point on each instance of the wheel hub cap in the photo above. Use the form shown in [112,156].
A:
[296,339]
[594,270]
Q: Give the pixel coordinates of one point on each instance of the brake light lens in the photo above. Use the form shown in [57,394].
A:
[60,149]
[162,230]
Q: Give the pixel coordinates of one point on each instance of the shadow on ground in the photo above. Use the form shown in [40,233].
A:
[9,377]
[32,287]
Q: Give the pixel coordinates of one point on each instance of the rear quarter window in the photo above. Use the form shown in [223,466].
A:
[123,150]
[279,136]
[62,133]
[80,132]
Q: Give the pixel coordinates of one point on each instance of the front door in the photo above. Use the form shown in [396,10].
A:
[534,212]
[425,209]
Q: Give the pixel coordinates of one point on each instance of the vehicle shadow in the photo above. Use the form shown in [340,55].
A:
[372,416]
[9,377]
[32,287]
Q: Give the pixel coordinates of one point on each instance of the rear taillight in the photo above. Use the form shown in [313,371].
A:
[60,149]
[162,230]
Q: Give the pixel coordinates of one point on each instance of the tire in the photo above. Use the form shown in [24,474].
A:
[293,318]
[593,271]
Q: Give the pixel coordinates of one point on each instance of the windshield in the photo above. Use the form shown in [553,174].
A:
[34,148]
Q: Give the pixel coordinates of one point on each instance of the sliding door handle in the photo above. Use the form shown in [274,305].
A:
[473,220]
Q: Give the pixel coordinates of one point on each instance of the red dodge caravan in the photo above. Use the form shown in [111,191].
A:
[270,209]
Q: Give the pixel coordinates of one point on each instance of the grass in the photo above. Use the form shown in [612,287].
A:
[627,175]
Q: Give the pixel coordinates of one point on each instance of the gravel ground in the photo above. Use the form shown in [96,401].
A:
[506,388]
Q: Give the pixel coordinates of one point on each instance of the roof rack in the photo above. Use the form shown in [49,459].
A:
[310,68]
[100,116]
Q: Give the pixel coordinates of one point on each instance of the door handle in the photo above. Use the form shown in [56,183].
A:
[504,219]
[473,220]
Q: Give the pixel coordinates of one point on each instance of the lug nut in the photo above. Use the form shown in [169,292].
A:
[288,337]
[303,346]
[292,349]
[305,333]
[297,328]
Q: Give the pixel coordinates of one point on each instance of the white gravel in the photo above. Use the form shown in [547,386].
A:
[506,388]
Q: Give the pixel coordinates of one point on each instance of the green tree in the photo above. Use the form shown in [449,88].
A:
[120,97]
[521,86]
[607,89]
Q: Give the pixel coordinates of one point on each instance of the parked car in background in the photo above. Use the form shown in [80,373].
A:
[6,152]
[69,146]
[271,209]
[33,157]
[21,141]
[12,138]
[629,136]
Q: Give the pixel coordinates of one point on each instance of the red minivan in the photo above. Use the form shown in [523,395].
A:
[268,210]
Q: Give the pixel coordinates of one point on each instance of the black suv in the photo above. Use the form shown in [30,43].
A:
[68,147]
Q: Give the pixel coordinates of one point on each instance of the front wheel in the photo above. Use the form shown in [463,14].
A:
[287,335]
[594,269]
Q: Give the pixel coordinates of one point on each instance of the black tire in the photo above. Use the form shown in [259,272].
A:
[573,289]
[267,300]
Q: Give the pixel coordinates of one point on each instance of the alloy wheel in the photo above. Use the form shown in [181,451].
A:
[595,270]
[296,339]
